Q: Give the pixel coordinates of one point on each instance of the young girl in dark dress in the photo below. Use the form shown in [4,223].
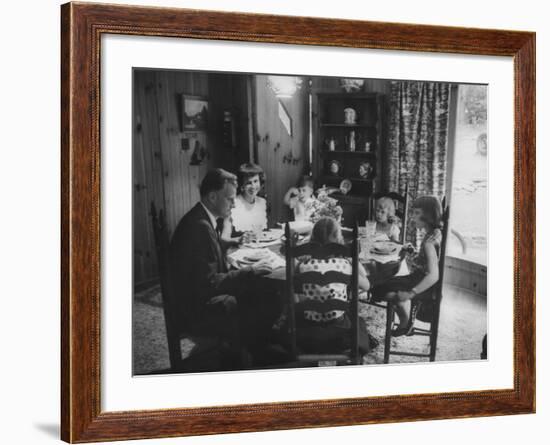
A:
[423,265]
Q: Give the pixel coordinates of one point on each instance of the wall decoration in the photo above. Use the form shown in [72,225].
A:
[199,154]
[350,116]
[335,168]
[351,85]
[366,170]
[285,118]
[345,186]
[194,113]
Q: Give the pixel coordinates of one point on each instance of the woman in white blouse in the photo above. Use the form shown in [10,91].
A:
[250,212]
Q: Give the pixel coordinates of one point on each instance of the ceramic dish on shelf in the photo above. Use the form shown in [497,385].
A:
[345,186]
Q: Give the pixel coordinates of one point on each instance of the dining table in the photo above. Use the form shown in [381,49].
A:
[384,262]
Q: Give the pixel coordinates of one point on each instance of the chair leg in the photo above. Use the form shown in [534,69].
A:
[434,328]
[433,343]
[390,315]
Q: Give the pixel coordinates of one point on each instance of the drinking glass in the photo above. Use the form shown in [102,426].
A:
[370,228]
[256,232]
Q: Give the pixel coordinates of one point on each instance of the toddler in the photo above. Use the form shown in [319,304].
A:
[387,222]
[301,199]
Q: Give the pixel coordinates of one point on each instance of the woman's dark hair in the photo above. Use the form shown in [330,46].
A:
[306,180]
[215,180]
[431,210]
[247,171]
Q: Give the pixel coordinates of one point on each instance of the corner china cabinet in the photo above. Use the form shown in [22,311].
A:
[347,129]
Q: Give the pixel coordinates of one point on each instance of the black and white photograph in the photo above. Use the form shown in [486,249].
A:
[289,221]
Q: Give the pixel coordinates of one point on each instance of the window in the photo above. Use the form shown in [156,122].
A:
[468,224]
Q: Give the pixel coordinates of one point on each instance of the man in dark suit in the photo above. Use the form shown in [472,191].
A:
[211,298]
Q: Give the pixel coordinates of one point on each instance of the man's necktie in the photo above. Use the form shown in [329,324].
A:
[219,226]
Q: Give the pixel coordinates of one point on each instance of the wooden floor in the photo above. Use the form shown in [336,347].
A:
[462,327]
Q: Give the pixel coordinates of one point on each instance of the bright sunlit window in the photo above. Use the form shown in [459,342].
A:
[468,236]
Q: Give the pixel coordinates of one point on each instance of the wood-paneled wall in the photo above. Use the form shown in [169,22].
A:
[162,172]
[228,92]
[274,144]
[181,180]
[147,174]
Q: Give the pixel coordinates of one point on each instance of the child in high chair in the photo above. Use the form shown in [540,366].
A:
[387,222]
[301,199]
[423,266]
[334,323]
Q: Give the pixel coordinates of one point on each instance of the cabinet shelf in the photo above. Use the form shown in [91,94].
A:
[352,179]
[368,154]
[348,125]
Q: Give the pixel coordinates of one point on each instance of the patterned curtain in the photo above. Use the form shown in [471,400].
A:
[417,140]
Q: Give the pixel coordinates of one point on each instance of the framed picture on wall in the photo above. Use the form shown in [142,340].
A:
[171,255]
[194,113]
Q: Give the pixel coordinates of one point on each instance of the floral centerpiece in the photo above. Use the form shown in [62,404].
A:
[325,206]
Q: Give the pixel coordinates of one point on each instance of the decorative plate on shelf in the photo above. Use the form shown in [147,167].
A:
[345,186]
[335,168]
[365,170]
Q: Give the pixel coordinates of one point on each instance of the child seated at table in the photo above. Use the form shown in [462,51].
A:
[324,325]
[423,266]
[301,199]
[387,222]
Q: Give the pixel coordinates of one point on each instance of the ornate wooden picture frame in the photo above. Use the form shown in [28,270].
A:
[82,26]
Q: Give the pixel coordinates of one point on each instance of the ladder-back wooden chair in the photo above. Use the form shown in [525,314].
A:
[206,348]
[401,208]
[432,306]
[294,285]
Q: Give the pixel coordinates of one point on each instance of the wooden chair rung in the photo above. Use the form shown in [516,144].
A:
[411,354]
[323,357]
[380,305]
[417,331]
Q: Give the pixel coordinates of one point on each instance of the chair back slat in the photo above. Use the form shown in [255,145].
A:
[321,279]
[319,252]
[323,306]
